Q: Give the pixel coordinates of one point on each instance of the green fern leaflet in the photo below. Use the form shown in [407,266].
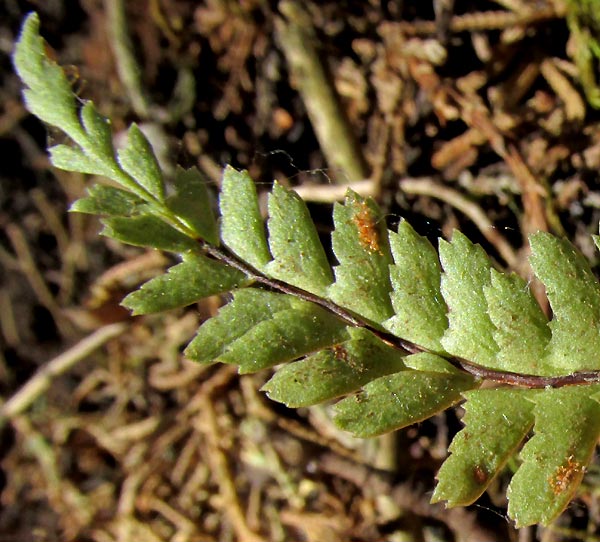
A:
[394,332]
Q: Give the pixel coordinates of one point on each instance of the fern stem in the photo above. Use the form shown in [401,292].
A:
[222,254]
[526,380]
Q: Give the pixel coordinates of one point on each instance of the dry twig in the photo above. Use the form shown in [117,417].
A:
[42,380]
[29,268]
[296,37]
[206,424]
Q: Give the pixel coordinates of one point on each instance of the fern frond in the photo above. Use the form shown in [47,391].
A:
[394,330]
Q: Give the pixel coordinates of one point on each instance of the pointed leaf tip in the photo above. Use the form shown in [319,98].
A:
[420,310]
[298,255]
[138,159]
[48,94]
[193,204]
[242,226]
[470,332]
[195,278]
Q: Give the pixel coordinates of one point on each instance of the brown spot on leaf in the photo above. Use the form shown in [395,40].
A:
[564,475]
[367,228]
[480,474]
[340,353]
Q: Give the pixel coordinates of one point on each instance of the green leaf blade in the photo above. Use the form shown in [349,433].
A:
[420,310]
[298,256]
[496,422]
[108,201]
[74,159]
[567,427]
[288,335]
[98,131]
[49,96]
[259,329]
[360,244]
[249,307]
[574,295]
[242,227]
[148,231]
[138,159]
[522,333]
[335,371]
[470,333]
[398,400]
[192,204]
[195,278]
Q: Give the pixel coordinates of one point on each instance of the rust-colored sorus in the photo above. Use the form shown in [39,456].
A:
[367,228]
[564,475]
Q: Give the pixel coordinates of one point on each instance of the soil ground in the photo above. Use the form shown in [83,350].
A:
[468,115]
